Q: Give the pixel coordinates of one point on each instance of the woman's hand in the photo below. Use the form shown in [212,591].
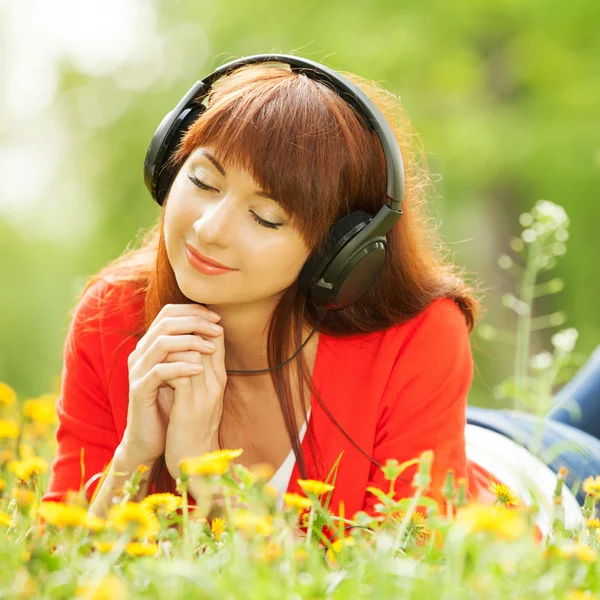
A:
[167,352]
[197,408]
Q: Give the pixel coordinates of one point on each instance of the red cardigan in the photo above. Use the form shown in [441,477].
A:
[396,392]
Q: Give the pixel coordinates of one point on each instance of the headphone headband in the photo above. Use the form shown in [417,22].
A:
[351,93]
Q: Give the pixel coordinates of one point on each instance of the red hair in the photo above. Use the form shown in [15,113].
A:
[309,149]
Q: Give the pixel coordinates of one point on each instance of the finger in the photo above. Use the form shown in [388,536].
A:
[217,359]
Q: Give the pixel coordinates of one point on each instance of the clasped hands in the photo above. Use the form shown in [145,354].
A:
[194,407]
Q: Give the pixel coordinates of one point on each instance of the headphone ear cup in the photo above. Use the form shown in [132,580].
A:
[166,172]
[339,234]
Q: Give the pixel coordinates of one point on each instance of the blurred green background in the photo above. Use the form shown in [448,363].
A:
[505,95]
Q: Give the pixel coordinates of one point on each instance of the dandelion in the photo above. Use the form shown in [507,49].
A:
[312,486]
[135,516]
[6,455]
[579,595]
[506,524]
[217,527]
[417,527]
[591,485]
[251,523]
[297,501]
[593,523]
[162,504]
[8,429]
[338,546]
[203,466]
[223,454]
[94,523]
[111,587]
[577,551]
[104,547]
[27,468]
[62,515]
[5,519]
[270,551]
[138,549]
[23,496]
[504,495]
[42,409]
[8,396]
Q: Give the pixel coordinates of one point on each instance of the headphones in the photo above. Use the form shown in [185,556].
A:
[355,246]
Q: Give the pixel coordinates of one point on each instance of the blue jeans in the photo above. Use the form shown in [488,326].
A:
[574,418]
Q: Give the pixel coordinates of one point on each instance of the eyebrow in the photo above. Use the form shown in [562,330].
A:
[221,170]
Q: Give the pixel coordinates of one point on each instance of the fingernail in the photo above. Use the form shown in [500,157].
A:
[215,328]
[210,345]
[214,316]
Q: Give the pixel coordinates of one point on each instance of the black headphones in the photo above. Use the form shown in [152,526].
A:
[355,246]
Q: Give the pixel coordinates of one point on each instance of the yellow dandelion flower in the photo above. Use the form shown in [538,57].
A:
[505,523]
[94,523]
[111,587]
[417,527]
[251,524]
[312,486]
[297,501]
[41,410]
[338,546]
[591,485]
[580,595]
[578,551]
[62,515]
[2,484]
[6,455]
[8,429]
[138,549]
[23,496]
[8,396]
[162,504]
[104,547]
[270,551]
[593,523]
[5,519]
[135,516]
[203,466]
[504,495]
[25,469]
[223,454]
[217,527]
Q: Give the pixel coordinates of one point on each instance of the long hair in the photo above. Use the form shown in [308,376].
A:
[312,152]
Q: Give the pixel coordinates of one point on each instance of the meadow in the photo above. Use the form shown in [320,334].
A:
[410,548]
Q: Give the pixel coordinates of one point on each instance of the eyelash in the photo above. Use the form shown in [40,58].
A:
[262,222]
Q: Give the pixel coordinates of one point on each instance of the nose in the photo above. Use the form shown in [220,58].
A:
[214,226]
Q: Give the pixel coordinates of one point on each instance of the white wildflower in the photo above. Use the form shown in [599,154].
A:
[541,361]
[565,340]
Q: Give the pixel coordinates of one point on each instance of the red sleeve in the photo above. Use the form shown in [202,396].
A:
[85,418]
[424,404]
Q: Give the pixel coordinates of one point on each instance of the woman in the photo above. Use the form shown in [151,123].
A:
[257,179]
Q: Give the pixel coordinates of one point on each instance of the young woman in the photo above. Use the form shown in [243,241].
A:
[252,189]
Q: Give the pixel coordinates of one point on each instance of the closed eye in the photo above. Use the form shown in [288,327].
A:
[260,221]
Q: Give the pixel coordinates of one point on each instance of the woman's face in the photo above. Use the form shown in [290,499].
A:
[218,215]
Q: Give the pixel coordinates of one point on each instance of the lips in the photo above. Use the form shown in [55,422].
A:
[206,259]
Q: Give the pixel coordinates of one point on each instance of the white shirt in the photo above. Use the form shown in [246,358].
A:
[281,479]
